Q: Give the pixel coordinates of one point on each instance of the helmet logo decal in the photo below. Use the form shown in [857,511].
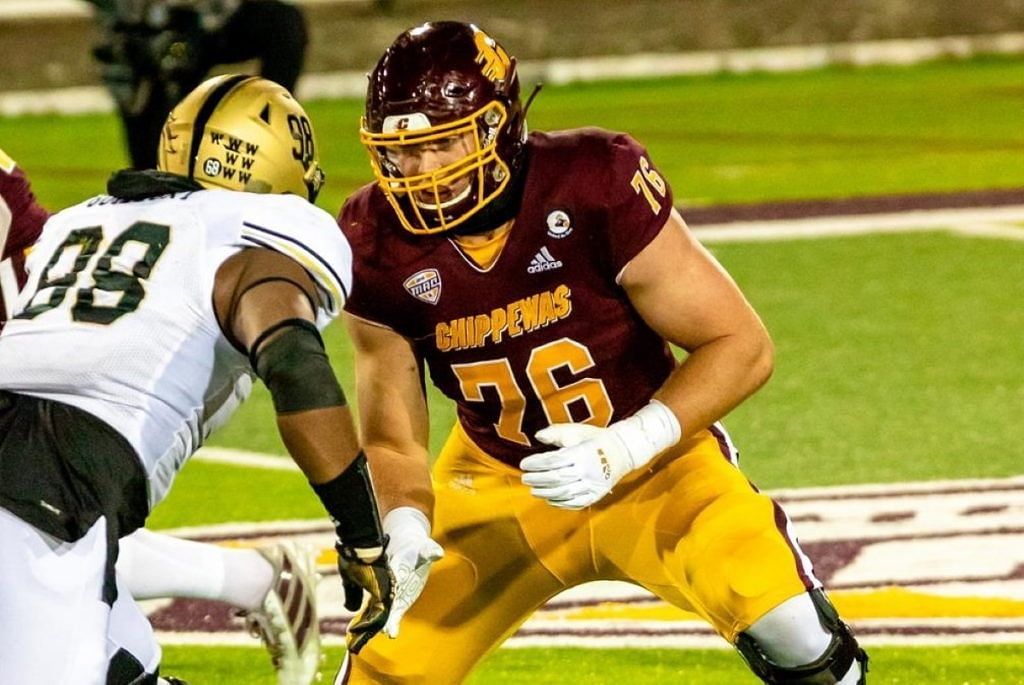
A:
[239,156]
[424,285]
[492,56]
[168,135]
[414,121]
[559,224]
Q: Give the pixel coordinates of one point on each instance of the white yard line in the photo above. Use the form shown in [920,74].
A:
[775,59]
[254,460]
[991,230]
[959,220]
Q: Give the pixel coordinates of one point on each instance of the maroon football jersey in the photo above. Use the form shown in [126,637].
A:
[21,221]
[546,334]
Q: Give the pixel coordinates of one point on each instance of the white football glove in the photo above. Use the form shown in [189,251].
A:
[592,460]
[410,554]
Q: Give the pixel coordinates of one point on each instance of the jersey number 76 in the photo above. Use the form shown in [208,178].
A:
[540,370]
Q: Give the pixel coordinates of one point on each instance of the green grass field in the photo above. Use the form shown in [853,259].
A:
[984,665]
[898,356]
[729,138]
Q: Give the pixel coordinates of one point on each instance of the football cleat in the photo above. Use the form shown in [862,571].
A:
[287,621]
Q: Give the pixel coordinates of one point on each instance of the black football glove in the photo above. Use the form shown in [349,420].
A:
[375,577]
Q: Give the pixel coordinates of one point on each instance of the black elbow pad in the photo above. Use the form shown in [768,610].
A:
[294,367]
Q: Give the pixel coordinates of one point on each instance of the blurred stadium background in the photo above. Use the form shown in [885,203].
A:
[858,167]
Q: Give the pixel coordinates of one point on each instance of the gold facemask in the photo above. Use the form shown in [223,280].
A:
[417,200]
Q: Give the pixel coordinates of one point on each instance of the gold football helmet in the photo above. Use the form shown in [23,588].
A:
[242,133]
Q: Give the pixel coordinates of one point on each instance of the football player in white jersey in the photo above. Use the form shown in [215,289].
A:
[273,587]
[147,313]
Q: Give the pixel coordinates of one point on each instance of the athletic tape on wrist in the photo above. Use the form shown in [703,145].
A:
[402,517]
[351,503]
[648,432]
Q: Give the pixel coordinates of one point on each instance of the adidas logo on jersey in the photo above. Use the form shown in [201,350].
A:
[543,261]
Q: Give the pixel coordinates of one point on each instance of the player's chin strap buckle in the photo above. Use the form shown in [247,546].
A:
[828,669]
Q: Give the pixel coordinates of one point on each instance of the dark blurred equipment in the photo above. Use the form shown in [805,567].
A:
[156,51]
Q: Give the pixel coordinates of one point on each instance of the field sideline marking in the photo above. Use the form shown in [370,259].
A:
[991,230]
[352,84]
[973,222]
[907,563]
[243,458]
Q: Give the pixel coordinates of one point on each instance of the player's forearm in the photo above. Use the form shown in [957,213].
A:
[321,441]
[716,377]
[401,478]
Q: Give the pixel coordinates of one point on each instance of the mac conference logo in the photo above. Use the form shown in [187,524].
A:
[424,285]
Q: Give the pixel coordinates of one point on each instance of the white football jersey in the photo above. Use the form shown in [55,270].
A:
[117,316]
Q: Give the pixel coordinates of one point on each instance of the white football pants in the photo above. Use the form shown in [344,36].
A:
[54,625]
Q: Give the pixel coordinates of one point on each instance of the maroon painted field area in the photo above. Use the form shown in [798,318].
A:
[906,563]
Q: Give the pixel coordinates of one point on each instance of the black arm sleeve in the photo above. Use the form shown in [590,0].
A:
[294,367]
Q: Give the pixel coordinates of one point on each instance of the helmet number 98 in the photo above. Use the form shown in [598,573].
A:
[302,133]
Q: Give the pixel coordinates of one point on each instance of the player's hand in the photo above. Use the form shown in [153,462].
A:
[591,460]
[410,555]
[365,570]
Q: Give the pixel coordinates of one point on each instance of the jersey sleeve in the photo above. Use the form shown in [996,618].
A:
[638,200]
[21,223]
[365,301]
[21,217]
[292,226]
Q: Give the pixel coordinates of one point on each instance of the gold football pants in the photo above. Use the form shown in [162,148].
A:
[690,528]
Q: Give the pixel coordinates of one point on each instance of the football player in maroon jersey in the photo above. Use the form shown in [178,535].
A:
[21,222]
[540,279]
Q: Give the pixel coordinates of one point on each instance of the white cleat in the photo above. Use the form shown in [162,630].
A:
[287,622]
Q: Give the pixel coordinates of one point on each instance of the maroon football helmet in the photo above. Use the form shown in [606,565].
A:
[441,82]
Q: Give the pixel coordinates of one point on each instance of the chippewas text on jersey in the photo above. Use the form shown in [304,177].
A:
[516,318]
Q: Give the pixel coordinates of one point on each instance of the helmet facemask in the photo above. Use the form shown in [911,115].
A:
[433,201]
[438,83]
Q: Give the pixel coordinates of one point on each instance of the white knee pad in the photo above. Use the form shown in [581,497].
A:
[791,634]
[803,642]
